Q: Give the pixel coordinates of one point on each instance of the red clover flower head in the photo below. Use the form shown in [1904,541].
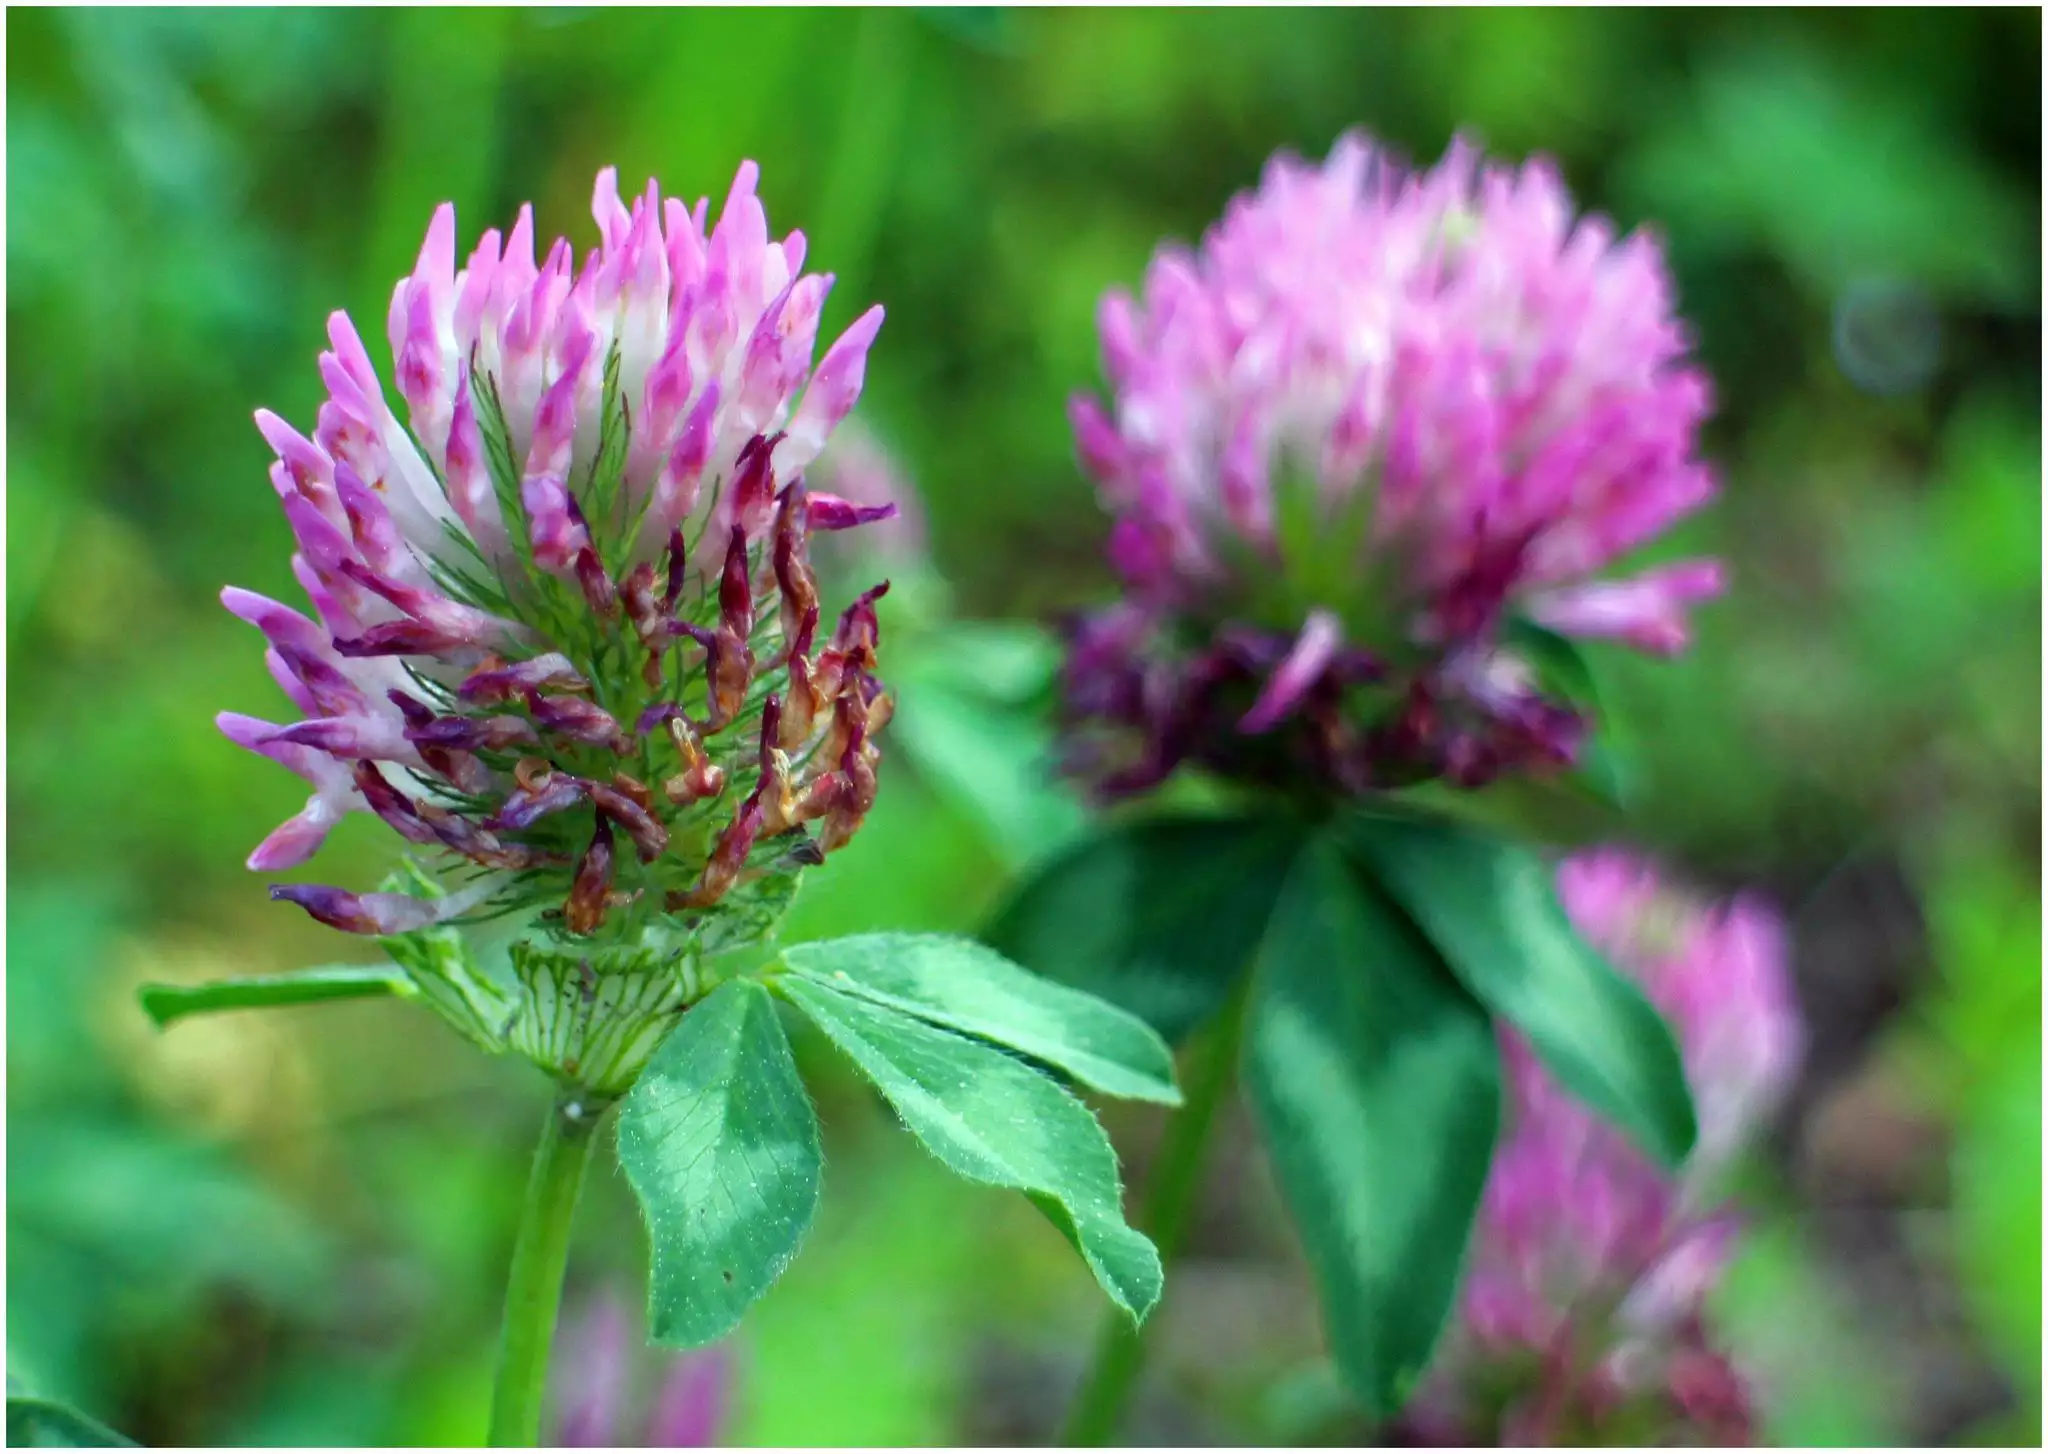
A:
[1583,1306]
[1374,423]
[566,637]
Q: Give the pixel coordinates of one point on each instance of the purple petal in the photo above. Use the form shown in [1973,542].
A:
[360,913]
[502,683]
[574,717]
[829,512]
[296,839]
[1297,673]
[691,1408]
[1647,612]
[473,734]
[833,390]
[527,806]
[591,1376]
[353,737]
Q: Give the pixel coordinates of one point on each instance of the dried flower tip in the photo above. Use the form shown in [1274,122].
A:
[727,859]
[585,909]
[598,590]
[649,837]
[796,583]
[700,778]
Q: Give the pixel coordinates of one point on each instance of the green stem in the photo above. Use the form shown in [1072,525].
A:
[533,1293]
[1176,1176]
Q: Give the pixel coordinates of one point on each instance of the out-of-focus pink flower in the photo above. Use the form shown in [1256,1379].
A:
[1419,405]
[556,594]
[694,1402]
[602,1371]
[1590,1266]
[867,476]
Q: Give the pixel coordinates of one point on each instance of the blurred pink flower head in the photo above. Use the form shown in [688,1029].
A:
[566,634]
[1374,420]
[1590,1266]
[598,1388]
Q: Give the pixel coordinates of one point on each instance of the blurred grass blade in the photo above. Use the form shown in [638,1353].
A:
[1376,1082]
[961,985]
[38,1423]
[992,1119]
[167,1002]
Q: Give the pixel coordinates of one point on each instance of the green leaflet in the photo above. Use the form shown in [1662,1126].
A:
[165,1003]
[968,987]
[1375,1080]
[994,1120]
[720,1143]
[1491,909]
[1159,918]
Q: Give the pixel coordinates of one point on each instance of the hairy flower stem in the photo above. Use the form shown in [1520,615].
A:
[533,1293]
[1176,1176]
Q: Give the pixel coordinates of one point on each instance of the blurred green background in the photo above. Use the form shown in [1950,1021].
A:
[291,1227]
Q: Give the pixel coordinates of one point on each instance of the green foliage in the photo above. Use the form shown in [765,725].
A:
[1998,1216]
[1975,1050]
[1159,917]
[102,1208]
[1782,149]
[994,1120]
[968,726]
[36,1423]
[1380,951]
[960,985]
[1776,1303]
[900,1255]
[721,1145]
[1377,1085]
[1491,909]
